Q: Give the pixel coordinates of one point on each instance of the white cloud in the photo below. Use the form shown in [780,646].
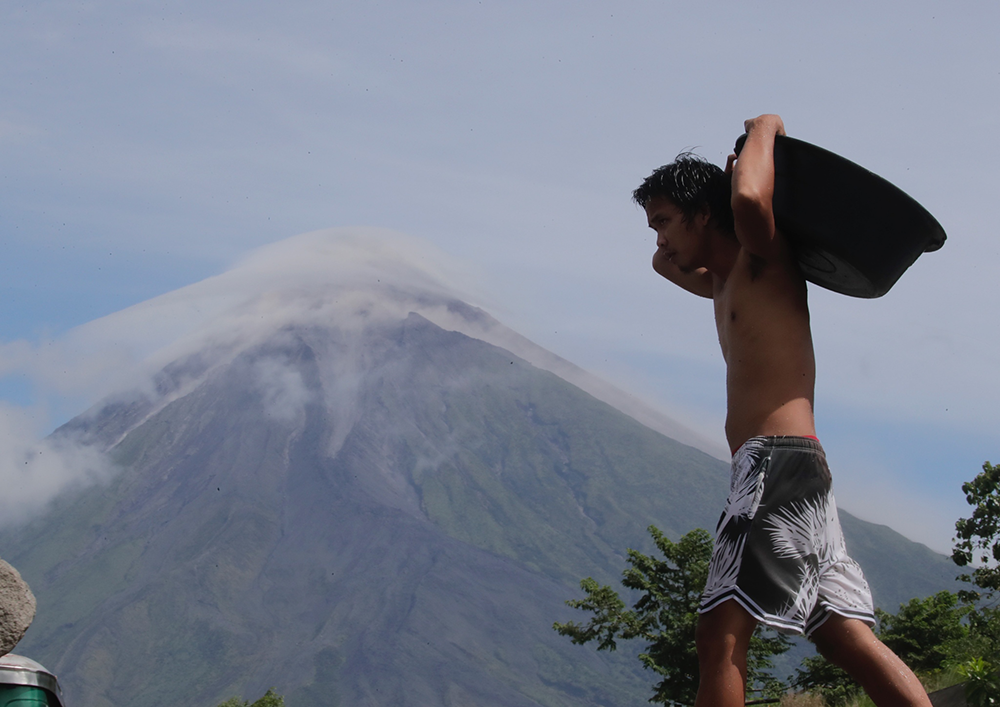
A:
[71,366]
[347,278]
[33,471]
[284,393]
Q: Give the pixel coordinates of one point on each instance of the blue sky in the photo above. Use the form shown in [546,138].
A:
[145,146]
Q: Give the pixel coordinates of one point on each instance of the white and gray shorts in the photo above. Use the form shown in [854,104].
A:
[779,549]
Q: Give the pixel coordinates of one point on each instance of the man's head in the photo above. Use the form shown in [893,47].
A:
[694,186]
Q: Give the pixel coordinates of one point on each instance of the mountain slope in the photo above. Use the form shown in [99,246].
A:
[390,515]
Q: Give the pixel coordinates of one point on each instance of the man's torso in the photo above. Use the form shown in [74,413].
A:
[762,317]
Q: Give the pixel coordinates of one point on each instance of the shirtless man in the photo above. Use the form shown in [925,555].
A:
[779,557]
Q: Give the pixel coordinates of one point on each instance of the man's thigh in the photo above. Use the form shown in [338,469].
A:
[844,642]
[724,630]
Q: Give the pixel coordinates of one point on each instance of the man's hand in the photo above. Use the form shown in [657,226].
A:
[767,123]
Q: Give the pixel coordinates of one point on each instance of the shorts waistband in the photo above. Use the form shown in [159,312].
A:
[784,441]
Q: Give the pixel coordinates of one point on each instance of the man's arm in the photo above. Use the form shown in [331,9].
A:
[753,186]
[698,281]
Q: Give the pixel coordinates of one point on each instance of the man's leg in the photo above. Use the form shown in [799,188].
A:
[851,645]
[722,639]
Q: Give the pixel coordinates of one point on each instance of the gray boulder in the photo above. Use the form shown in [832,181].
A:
[17,607]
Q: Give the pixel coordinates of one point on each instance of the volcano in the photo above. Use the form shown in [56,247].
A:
[348,491]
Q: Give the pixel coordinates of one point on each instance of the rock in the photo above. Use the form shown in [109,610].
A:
[17,607]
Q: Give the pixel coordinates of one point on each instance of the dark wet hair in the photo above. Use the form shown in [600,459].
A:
[691,183]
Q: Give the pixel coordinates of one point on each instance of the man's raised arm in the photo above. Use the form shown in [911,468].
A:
[698,281]
[753,186]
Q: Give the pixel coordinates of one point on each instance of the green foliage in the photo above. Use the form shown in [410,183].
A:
[982,682]
[270,699]
[978,537]
[925,632]
[665,615]
[977,541]
[984,625]
[975,658]
[821,677]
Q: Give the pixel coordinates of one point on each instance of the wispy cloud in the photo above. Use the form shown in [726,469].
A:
[33,471]
[347,279]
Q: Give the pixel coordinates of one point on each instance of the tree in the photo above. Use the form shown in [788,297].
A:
[977,540]
[270,699]
[925,632]
[665,615]
[821,677]
[978,537]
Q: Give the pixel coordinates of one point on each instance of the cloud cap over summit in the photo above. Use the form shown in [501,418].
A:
[345,278]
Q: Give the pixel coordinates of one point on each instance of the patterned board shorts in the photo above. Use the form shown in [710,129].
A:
[779,549]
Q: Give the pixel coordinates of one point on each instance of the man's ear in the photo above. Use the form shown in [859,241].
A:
[703,216]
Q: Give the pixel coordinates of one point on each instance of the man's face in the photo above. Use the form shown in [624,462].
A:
[677,241]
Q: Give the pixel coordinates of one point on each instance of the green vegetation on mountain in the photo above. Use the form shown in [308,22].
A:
[517,462]
[270,699]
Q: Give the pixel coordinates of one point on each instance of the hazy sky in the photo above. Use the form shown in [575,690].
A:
[145,146]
